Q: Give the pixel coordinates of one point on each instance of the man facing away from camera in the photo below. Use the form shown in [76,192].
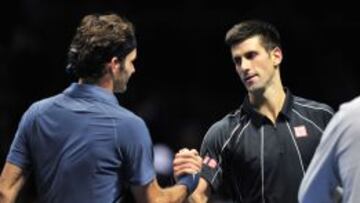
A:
[81,145]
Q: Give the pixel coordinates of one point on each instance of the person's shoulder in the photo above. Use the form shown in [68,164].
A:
[43,104]
[222,127]
[125,114]
[127,120]
[227,120]
[131,128]
[308,105]
[351,108]
[345,124]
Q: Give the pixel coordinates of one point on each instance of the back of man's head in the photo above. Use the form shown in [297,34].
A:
[98,38]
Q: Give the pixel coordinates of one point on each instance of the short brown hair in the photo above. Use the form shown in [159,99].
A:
[98,38]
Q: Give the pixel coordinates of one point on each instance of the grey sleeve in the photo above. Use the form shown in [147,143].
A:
[336,162]
[320,180]
[347,157]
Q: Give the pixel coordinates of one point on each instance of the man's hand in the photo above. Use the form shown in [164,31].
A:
[187,165]
[186,162]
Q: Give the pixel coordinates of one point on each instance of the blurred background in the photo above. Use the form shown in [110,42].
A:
[185,79]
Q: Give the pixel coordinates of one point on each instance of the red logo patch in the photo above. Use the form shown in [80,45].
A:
[212,163]
[206,160]
[300,131]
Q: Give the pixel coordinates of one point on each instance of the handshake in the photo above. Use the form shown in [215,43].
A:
[187,165]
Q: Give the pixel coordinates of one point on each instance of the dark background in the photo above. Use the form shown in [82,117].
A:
[185,79]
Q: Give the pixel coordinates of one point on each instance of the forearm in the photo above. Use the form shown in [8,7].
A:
[197,198]
[186,184]
[187,181]
[153,193]
[179,193]
[201,194]
[5,195]
[175,194]
[11,181]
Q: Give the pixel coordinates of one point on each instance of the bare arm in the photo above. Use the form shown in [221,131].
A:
[202,192]
[154,193]
[190,164]
[11,181]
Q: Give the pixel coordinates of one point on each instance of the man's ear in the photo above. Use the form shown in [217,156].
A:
[114,64]
[277,56]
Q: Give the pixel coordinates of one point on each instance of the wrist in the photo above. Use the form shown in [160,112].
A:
[190,181]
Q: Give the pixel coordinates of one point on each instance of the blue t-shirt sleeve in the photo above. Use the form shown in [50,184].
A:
[19,153]
[137,151]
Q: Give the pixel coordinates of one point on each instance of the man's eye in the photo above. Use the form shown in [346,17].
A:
[237,60]
[251,55]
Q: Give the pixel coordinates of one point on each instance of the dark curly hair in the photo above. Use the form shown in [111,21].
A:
[98,38]
[270,37]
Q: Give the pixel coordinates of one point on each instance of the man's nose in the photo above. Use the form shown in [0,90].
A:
[245,65]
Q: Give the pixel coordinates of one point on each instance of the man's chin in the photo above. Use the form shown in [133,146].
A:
[120,89]
[254,89]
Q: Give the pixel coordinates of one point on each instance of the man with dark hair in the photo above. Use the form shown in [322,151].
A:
[259,153]
[81,146]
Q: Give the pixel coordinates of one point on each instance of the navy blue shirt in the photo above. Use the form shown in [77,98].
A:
[82,146]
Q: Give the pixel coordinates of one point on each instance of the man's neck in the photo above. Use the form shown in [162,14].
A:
[102,82]
[269,102]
